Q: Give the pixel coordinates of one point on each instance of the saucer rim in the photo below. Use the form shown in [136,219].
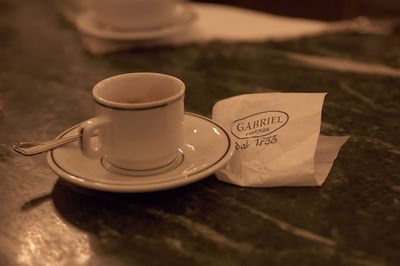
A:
[180,180]
[135,35]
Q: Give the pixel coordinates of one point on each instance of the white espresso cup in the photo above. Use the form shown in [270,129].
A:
[139,127]
[134,14]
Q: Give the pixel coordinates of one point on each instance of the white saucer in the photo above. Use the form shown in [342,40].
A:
[86,23]
[207,147]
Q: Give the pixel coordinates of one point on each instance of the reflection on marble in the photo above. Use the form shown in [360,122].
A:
[43,246]
[344,65]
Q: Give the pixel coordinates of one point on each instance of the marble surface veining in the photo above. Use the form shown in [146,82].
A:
[353,219]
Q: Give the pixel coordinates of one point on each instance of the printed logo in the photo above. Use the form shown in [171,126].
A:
[259,125]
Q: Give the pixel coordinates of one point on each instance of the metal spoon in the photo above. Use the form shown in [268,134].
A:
[36,147]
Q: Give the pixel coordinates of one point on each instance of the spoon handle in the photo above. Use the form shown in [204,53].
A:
[35,147]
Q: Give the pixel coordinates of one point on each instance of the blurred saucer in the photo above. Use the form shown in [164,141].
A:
[207,147]
[87,24]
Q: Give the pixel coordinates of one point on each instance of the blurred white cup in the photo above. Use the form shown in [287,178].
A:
[135,14]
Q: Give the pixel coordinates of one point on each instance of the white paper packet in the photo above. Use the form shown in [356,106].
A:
[277,140]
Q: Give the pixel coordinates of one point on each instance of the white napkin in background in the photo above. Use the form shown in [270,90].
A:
[228,23]
[214,22]
[277,140]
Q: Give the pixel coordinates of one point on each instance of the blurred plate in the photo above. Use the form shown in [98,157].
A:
[87,24]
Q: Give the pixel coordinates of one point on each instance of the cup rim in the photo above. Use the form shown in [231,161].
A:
[138,106]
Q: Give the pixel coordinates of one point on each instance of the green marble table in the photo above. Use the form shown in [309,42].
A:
[353,219]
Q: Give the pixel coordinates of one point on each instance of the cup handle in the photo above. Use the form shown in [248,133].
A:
[96,126]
